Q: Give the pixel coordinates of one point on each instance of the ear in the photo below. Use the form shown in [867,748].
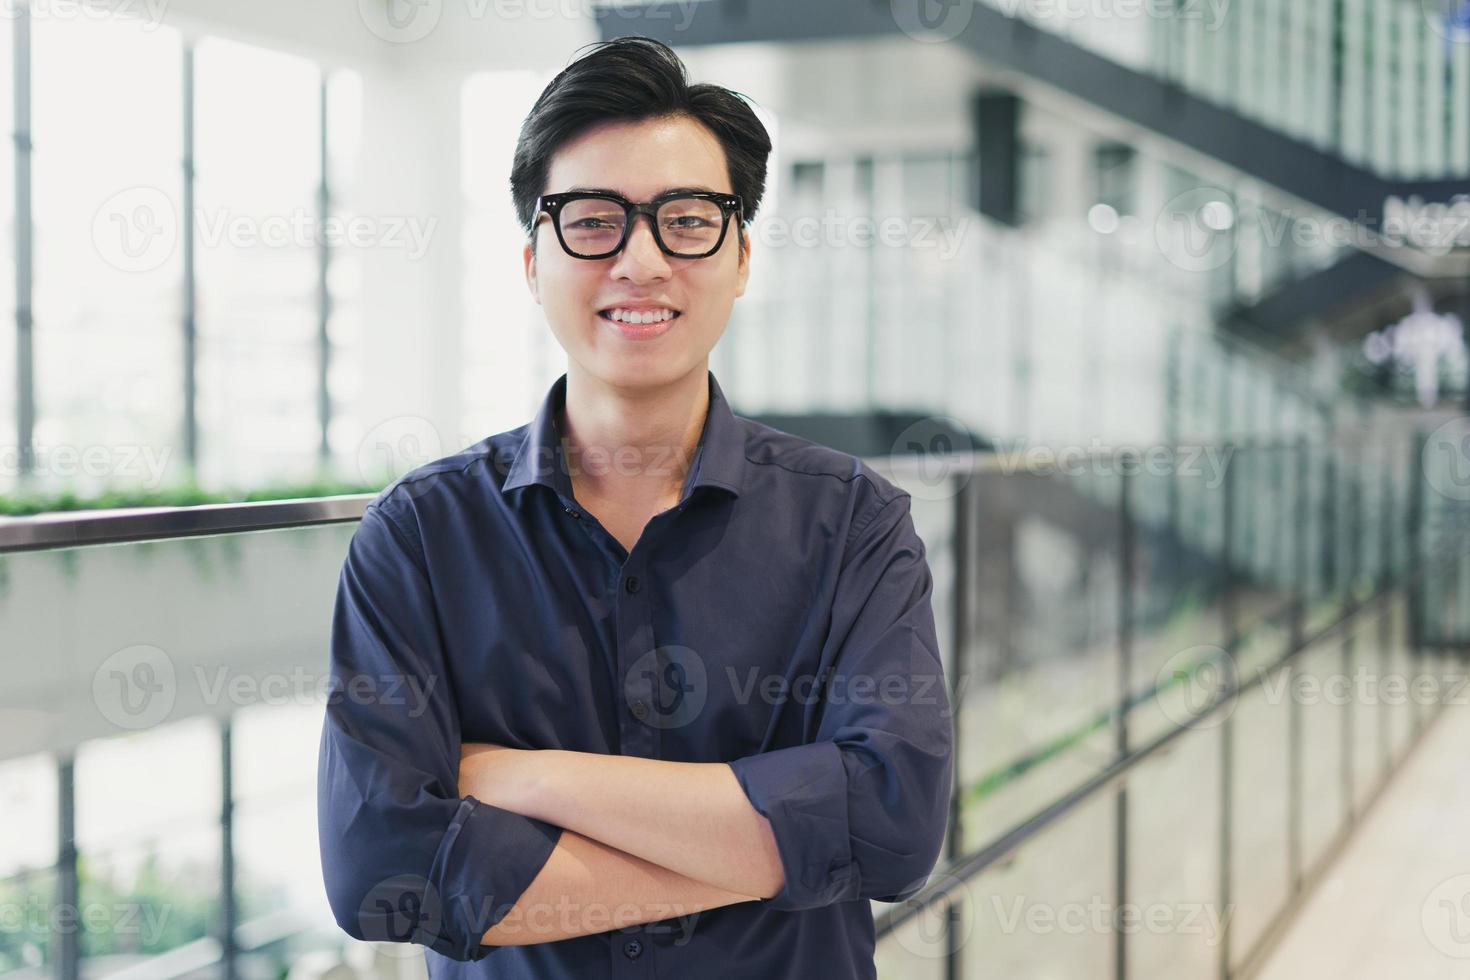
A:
[743,271]
[528,258]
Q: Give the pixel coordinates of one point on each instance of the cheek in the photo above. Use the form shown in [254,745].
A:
[567,295]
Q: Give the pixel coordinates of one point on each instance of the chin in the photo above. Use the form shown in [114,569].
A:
[642,368]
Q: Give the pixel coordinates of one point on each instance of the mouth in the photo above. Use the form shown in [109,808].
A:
[640,325]
[639,318]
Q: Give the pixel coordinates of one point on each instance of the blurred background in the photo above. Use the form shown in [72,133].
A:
[1157,308]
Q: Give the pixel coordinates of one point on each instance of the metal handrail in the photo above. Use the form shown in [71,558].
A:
[68,529]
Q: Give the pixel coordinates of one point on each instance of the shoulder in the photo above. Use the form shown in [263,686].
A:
[829,475]
[446,482]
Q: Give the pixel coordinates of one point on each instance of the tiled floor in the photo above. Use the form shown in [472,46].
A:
[1396,906]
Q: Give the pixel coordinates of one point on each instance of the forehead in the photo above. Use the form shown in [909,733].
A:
[641,159]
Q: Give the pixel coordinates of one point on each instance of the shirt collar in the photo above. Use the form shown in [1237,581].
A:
[719,460]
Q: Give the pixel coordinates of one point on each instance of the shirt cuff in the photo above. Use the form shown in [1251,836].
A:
[487,859]
[802,792]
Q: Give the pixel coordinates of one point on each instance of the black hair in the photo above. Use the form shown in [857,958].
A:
[632,79]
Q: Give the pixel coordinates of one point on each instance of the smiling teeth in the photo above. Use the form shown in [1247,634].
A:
[633,316]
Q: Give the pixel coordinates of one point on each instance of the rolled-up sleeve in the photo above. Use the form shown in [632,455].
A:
[861,811]
[404,857]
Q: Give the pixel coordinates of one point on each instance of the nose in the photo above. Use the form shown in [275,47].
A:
[641,258]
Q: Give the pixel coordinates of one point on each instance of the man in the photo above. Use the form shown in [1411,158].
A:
[643,688]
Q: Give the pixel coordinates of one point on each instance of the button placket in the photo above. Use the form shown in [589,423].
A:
[635,638]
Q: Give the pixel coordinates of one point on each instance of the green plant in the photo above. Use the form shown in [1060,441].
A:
[183,495]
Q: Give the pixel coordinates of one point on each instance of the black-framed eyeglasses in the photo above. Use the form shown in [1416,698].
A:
[596,225]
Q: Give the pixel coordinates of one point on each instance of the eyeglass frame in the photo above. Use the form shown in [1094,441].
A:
[551,205]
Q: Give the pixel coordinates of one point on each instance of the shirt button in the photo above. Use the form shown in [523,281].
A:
[574,513]
[640,710]
[632,584]
[632,949]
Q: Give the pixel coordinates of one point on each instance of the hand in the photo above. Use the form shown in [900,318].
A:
[494,774]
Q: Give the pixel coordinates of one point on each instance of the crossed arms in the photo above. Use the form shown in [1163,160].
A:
[648,838]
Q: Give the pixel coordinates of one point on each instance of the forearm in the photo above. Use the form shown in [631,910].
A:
[692,818]
[588,887]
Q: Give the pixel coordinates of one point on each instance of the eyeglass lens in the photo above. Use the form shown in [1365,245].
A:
[688,225]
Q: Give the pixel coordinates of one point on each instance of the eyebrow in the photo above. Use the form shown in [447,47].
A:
[667,190]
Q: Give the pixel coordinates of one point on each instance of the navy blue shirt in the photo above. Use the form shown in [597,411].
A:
[777,619]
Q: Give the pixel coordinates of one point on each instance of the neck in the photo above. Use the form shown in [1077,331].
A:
[633,443]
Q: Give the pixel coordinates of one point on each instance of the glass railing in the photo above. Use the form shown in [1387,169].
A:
[1201,729]
[171,686]
[166,681]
